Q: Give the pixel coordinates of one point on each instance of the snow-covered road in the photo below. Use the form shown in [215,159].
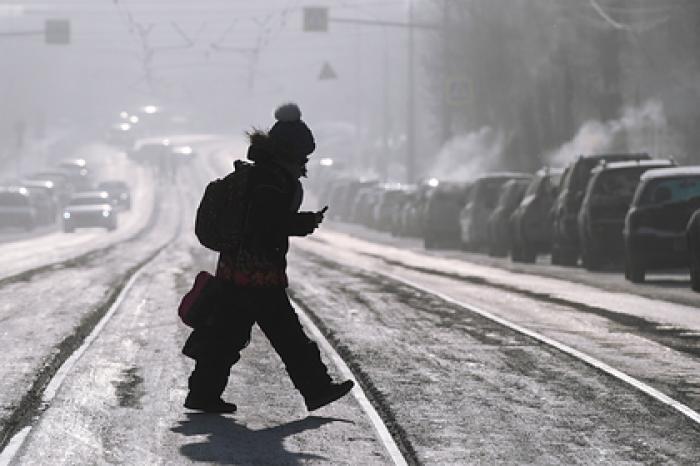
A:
[451,386]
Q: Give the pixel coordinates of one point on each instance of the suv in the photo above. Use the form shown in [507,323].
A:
[532,225]
[441,221]
[500,227]
[655,226]
[604,206]
[565,241]
[473,218]
[692,232]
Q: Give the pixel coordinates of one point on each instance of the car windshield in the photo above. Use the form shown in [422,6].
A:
[97,200]
[617,185]
[671,190]
[489,191]
[13,200]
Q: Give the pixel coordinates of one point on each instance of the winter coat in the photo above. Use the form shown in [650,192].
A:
[274,197]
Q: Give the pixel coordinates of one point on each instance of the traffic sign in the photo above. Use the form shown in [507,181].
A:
[327,72]
[315,19]
[57,31]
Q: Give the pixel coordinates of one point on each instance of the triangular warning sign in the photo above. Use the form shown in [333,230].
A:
[327,72]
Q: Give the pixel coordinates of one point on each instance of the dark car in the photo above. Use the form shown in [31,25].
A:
[362,208]
[388,202]
[90,209]
[655,225]
[119,191]
[531,221]
[482,199]
[412,216]
[500,227]
[16,208]
[441,220]
[61,183]
[343,195]
[43,197]
[565,241]
[602,214]
[692,232]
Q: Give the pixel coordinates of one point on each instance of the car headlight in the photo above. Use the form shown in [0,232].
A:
[66,215]
[105,213]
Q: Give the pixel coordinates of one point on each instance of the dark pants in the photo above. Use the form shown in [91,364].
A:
[216,347]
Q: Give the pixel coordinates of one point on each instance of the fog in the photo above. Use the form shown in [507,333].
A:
[495,84]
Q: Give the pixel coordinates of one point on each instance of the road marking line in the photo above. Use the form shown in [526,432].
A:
[383,433]
[591,361]
[17,440]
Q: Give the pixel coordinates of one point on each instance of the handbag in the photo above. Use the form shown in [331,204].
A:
[203,299]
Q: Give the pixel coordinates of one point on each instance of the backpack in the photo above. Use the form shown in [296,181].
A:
[222,212]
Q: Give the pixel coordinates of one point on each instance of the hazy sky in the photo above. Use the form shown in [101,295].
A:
[233,60]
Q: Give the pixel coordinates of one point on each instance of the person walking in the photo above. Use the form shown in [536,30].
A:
[254,274]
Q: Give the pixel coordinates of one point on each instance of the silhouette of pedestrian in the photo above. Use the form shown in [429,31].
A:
[256,280]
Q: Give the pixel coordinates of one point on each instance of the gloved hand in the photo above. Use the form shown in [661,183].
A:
[304,223]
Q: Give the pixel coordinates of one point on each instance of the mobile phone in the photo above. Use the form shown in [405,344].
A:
[323,211]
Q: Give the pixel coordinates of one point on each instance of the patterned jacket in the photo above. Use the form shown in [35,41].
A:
[274,197]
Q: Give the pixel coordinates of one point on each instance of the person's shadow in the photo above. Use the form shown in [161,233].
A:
[229,442]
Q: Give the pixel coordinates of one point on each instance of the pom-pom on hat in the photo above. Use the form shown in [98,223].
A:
[290,134]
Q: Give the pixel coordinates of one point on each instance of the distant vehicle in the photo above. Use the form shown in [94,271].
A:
[117,190]
[473,217]
[500,227]
[16,208]
[531,220]
[150,151]
[90,209]
[692,232]
[362,209]
[78,173]
[655,225]
[43,197]
[60,181]
[565,247]
[441,220]
[183,153]
[412,215]
[601,217]
[386,209]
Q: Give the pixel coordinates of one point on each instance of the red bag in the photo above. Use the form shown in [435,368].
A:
[202,300]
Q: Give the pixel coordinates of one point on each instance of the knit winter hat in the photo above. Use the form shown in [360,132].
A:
[290,134]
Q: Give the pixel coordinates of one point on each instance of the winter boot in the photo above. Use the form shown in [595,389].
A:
[328,394]
[212,405]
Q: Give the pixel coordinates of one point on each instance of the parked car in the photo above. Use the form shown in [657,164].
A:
[500,226]
[16,208]
[692,232]
[119,191]
[602,214]
[473,217]
[387,204]
[362,209]
[565,247]
[414,211]
[655,225]
[531,220]
[90,209]
[441,227]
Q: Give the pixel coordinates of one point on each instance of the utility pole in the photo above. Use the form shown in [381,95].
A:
[446,123]
[316,19]
[410,103]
